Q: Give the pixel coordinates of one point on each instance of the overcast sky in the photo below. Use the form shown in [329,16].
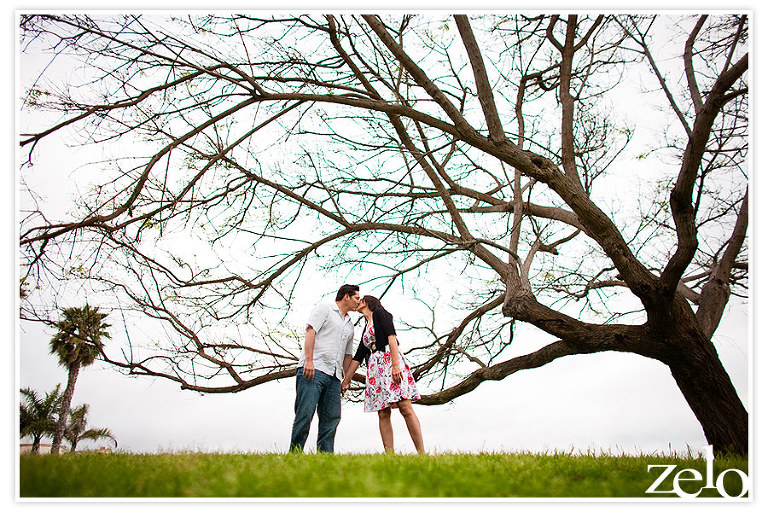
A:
[608,402]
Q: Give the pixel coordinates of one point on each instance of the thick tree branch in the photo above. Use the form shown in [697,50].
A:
[716,292]
[615,338]
[420,76]
[567,102]
[690,72]
[454,336]
[681,197]
[484,91]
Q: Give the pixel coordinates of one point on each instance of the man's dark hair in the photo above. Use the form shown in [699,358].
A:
[346,289]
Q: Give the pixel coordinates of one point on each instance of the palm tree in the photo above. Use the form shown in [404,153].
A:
[76,431]
[77,344]
[37,415]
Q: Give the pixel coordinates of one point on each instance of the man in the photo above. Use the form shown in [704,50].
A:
[328,349]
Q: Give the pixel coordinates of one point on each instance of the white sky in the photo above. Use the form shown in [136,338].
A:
[609,402]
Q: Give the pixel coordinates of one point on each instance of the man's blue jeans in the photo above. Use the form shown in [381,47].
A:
[322,393]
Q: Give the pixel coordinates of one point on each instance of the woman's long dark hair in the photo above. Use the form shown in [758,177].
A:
[372,302]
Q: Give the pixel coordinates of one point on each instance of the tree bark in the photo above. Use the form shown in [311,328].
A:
[717,291]
[36,444]
[696,367]
[710,393]
[673,336]
[484,90]
[66,401]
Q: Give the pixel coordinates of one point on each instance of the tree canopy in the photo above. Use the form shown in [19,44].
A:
[585,174]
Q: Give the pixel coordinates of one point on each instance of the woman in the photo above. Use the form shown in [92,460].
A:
[389,382]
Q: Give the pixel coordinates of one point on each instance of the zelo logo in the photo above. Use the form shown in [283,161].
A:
[691,475]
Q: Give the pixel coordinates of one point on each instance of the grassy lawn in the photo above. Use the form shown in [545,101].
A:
[506,475]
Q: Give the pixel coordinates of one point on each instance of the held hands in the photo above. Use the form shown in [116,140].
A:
[349,373]
[344,385]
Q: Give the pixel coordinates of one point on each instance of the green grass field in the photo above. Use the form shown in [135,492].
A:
[205,475]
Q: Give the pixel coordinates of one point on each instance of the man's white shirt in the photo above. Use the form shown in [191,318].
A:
[334,338]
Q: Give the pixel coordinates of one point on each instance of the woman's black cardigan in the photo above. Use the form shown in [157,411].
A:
[383,328]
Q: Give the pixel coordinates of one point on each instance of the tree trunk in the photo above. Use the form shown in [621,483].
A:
[708,389]
[672,336]
[66,401]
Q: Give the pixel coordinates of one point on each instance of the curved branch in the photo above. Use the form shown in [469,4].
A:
[454,335]
[681,197]
[690,72]
[715,293]
[142,369]
[541,357]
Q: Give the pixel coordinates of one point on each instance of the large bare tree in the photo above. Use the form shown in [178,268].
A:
[499,168]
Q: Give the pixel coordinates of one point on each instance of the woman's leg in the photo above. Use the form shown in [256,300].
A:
[385,428]
[413,424]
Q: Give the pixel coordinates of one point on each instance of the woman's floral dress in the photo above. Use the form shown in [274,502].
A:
[381,391]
